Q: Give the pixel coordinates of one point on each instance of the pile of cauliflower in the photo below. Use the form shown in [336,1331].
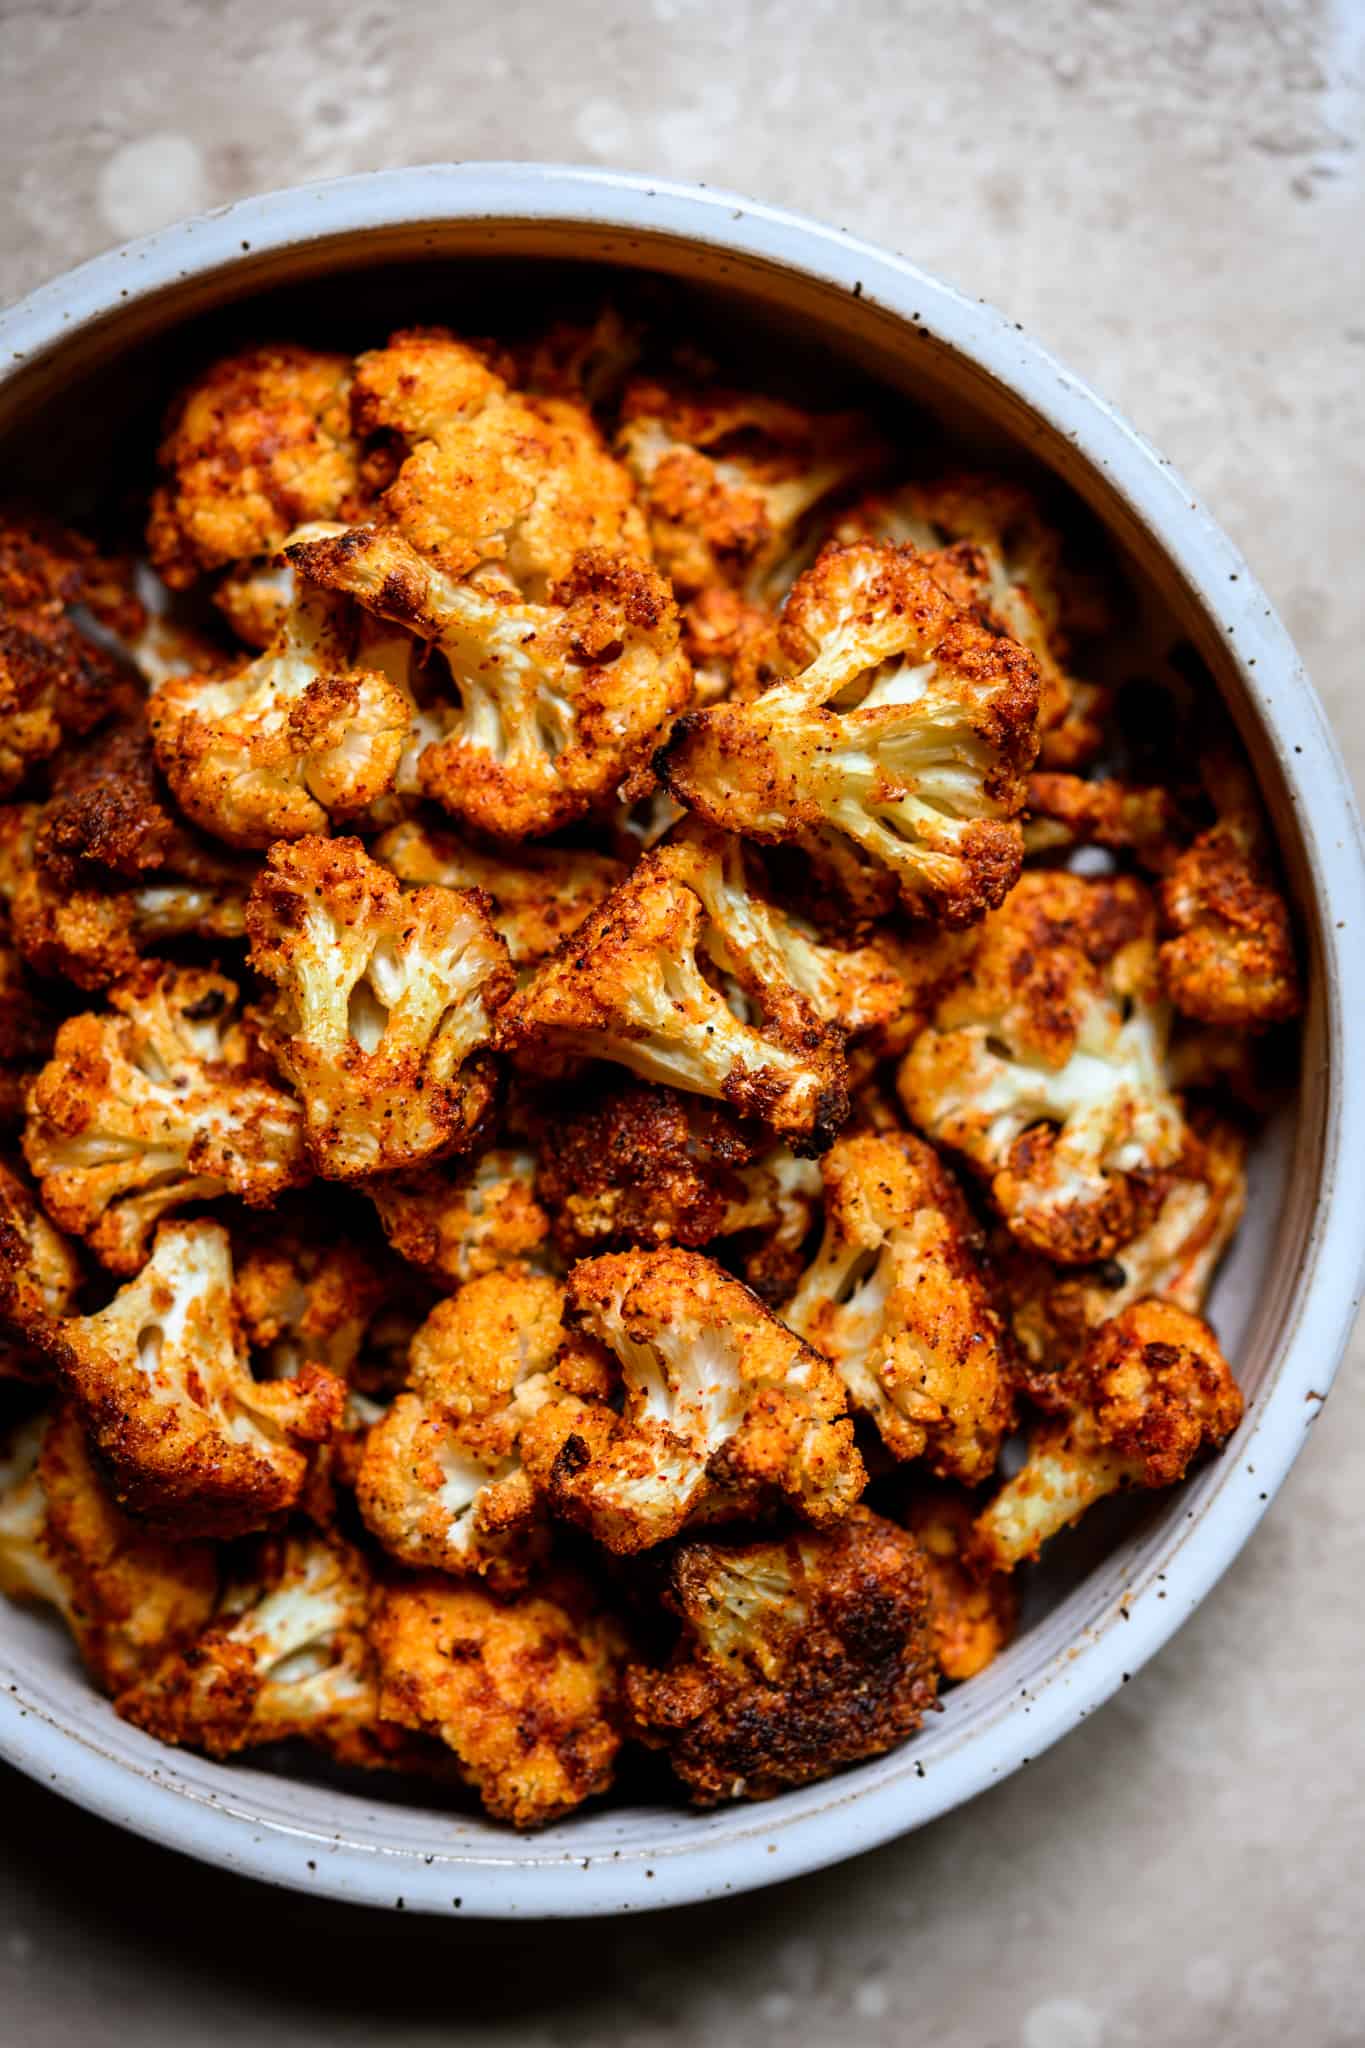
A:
[608,1123]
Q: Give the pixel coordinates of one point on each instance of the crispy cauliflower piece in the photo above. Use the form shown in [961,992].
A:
[1068,810]
[157,1102]
[587,356]
[39,1278]
[491,479]
[895,1299]
[973,1611]
[1045,1067]
[192,1443]
[56,681]
[558,700]
[723,1408]
[1053,1309]
[27,1030]
[797,1655]
[305,1296]
[1150,1391]
[455,1222]
[904,726]
[729,477]
[313,728]
[28,1571]
[441,1482]
[539,896]
[629,986]
[384,1003]
[524,1693]
[287,1659]
[257,444]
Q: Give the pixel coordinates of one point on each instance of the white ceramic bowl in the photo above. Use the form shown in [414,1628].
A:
[77,361]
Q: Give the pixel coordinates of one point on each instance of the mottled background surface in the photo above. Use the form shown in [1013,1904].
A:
[1171,196]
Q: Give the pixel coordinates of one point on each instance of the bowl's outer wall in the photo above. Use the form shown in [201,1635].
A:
[1288,1295]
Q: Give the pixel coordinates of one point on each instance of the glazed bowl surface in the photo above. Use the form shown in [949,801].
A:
[85,366]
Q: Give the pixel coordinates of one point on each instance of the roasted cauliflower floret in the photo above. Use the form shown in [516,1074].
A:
[1065,811]
[56,681]
[39,1278]
[973,1611]
[441,1482]
[1045,1067]
[126,1595]
[903,725]
[259,443]
[797,1655]
[523,1693]
[539,896]
[306,1296]
[455,1222]
[587,356]
[384,1003]
[629,986]
[895,1299]
[491,479]
[1150,1391]
[723,1409]
[192,1443]
[312,729]
[155,1103]
[1053,1309]
[288,1658]
[557,701]
[27,1030]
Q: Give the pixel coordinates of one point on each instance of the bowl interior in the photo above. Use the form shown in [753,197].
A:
[76,430]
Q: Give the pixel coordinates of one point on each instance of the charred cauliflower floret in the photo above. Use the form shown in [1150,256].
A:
[56,681]
[630,986]
[797,1656]
[384,1003]
[441,1482]
[973,1611]
[539,896]
[895,1299]
[258,444]
[723,1409]
[192,1443]
[556,701]
[312,729]
[28,1028]
[523,1693]
[126,1595]
[903,725]
[1045,1067]
[157,1102]
[1053,1309]
[454,1222]
[39,1277]
[1150,1391]
[288,1658]
[491,479]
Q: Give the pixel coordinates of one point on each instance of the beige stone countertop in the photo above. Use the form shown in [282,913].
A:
[1172,197]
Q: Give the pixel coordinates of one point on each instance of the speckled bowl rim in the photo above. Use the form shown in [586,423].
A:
[242,1820]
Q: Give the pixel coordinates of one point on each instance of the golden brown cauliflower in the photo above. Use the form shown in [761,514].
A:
[306,1292]
[288,1658]
[312,729]
[491,479]
[723,1410]
[457,1220]
[630,986]
[522,1692]
[127,1595]
[973,1610]
[539,895]
[441,1482]
[39,1277]
[797,1655]
[259,443]
[384,1003]
[159,1101]
[902,725]
[56,682]
[1150,1391]
[895,1299]
[1064,811]
[192,1443]
[1045,1067]
[556,701]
